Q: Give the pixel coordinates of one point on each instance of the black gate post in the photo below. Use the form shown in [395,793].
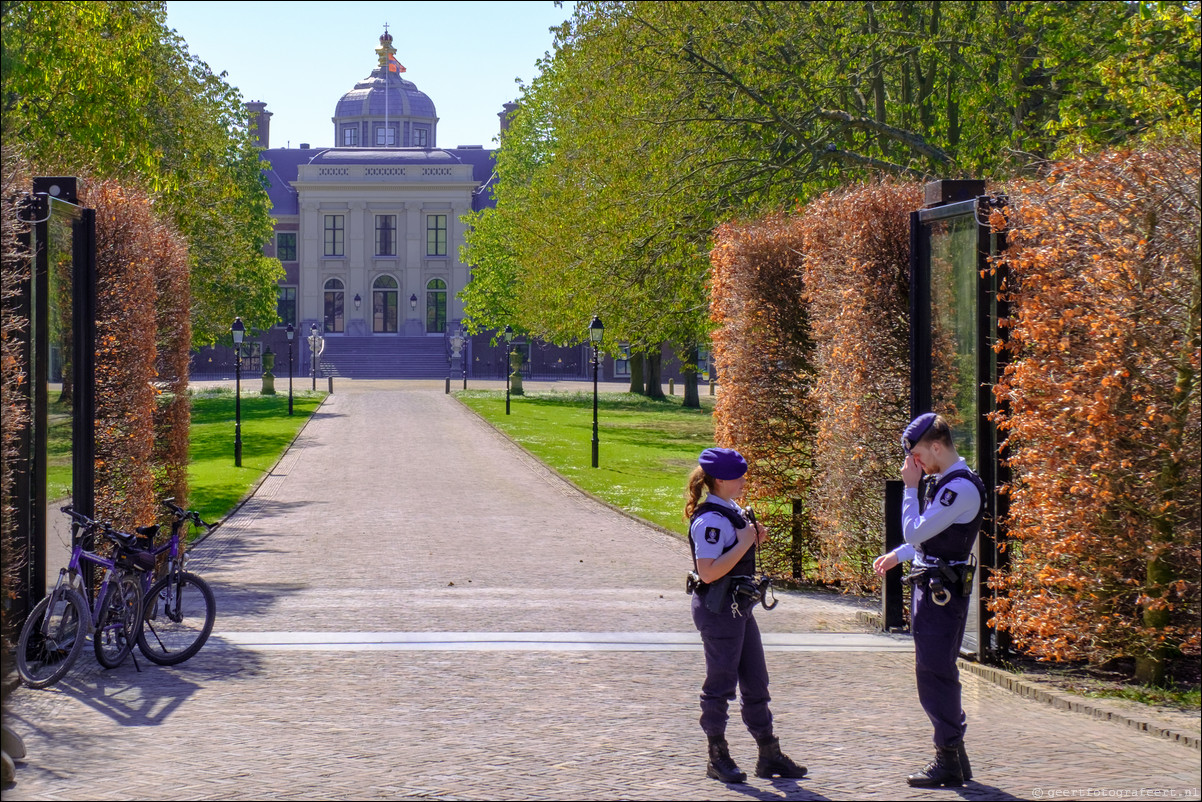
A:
[893,616]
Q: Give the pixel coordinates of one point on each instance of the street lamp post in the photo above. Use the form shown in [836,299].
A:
[596,331]
[239,331]
[291,334]
[508,341]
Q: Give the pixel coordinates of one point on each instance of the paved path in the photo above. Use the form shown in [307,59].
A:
[411,607]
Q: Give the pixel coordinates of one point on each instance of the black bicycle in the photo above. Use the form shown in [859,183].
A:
[179,606]
[55,631]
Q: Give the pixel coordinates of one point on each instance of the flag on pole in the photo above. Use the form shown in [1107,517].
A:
[394,65]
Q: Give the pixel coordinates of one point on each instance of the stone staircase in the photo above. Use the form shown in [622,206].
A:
[385,357]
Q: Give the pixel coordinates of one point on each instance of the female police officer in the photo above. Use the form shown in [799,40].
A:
[724,548]
[939,528]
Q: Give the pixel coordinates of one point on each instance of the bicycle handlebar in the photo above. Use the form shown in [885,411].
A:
[90,525]
[181,515]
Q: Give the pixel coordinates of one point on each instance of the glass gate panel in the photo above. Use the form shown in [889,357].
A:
[954,353]
[954,314]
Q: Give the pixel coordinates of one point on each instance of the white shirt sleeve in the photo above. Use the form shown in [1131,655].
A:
[957,503]
[712,533]
[904,553]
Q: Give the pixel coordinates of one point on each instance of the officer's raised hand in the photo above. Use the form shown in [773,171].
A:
[911,471]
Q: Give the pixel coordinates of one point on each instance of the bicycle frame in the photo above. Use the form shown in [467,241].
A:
[71,573]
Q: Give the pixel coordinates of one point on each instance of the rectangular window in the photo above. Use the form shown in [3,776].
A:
[285,246]
[286,306]
[350,135]
[420,137]
[385,136]
[334,235]
[385,235]
[436,235]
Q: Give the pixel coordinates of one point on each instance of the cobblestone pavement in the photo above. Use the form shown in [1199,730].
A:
[361,596]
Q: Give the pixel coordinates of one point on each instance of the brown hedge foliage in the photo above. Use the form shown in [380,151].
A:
[173,413]
[14,376]
[857,272]
[1103,420]
[141,298]
[762,352]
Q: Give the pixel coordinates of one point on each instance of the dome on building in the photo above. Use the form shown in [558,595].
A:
[370,98]
[384,109]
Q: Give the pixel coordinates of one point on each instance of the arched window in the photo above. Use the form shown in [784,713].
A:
[333,321]
[436,306]
[384,291]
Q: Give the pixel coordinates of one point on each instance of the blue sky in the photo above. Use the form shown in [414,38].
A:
[301,57]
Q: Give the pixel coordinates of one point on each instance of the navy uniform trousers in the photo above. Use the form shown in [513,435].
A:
[734,656]
[938,631]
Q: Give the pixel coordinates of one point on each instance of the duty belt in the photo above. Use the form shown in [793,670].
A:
[942,578]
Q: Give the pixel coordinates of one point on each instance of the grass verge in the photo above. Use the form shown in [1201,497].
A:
[647,448]
[215,486]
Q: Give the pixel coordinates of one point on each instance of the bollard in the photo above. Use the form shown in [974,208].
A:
[671,386]
[892,602]
[331,379]
[711,386]
[448,392]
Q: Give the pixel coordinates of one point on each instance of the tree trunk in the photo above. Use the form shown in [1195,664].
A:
[692,400]
[636,374]
[654,375]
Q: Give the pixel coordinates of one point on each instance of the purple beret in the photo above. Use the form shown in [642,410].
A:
[723,463]
[915,431]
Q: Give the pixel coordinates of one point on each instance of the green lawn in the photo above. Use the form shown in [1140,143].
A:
[647,447]
[214,484]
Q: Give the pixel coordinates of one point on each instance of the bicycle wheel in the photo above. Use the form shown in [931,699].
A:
[52,638]
[179,615]
[120,620]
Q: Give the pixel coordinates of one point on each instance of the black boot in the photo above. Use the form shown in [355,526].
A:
[772,762]
[721,766]
[965,769]
[944,770]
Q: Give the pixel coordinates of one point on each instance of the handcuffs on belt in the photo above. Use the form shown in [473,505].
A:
[742,590]
[943,577]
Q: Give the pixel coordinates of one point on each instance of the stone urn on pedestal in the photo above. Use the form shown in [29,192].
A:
[515,373]
[268,376]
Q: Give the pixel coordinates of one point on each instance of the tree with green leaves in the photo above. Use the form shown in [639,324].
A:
[107,90]
[652,122]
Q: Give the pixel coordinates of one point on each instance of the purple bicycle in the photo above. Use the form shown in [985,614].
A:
[55,631]
[179,606]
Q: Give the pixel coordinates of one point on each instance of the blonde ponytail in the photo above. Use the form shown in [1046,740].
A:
[699,480]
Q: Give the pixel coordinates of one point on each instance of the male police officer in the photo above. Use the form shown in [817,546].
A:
[940,529]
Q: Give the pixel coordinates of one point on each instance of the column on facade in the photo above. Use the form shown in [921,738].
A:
[360,239]
[415,244]
[309,292]
[460,273]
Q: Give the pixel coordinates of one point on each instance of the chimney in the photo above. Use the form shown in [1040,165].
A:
[260,122]
[507,110]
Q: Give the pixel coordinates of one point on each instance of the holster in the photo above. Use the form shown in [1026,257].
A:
[717,595]
[942,580]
